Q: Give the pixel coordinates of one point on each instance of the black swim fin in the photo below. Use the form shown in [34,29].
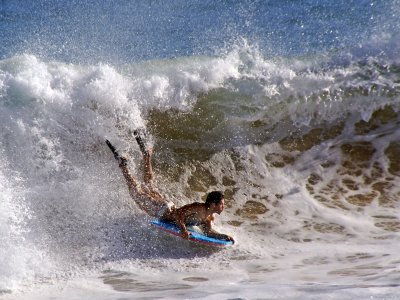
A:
[113,150]
[140,135]
[121,160]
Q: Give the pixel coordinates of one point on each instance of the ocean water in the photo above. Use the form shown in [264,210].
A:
[290,107]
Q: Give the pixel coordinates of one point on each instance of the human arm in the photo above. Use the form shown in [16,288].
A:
[189,214]
[207,229]
[184,233]
[180,222]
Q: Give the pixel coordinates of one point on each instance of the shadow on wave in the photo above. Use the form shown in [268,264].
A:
[135,239]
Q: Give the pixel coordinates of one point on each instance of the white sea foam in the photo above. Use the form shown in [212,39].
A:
[21,259]
[73,216]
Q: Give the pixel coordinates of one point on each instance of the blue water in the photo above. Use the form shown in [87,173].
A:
[290,107]
[130,31]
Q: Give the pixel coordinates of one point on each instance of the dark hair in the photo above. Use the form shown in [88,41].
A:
[214,197]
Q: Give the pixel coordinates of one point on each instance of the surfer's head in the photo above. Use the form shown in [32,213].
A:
[215,201]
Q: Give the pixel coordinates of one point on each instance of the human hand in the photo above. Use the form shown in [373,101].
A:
[230,239]
[185,234]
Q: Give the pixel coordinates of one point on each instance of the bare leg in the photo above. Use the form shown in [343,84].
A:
[145,196]
[130,179]
[148,177]
[148,174]
[147,200]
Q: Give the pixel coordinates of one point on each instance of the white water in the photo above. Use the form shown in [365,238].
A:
[70,230]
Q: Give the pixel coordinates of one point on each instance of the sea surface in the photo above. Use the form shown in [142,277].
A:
[291,107]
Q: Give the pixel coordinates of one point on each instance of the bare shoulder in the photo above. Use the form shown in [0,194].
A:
[192,206]
[195,208]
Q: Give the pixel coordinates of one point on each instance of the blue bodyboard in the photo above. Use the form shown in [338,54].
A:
[194,235]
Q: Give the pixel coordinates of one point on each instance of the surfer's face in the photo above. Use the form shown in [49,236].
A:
[219,207]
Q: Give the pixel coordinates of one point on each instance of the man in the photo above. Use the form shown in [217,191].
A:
[154,204]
